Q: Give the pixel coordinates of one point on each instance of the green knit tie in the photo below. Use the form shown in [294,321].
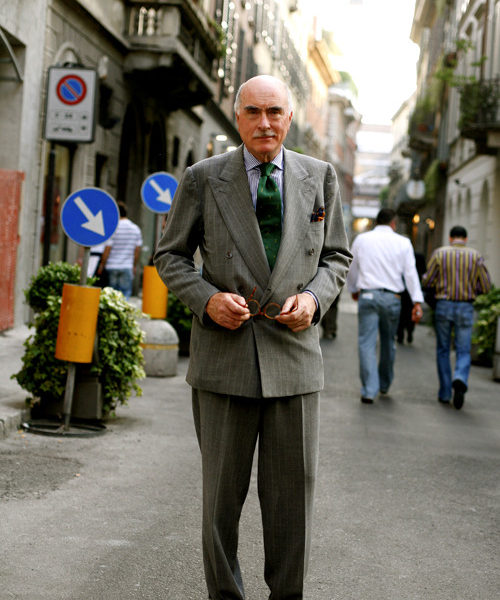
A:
[269,212]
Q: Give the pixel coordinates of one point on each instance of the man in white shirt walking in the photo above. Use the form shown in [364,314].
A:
[383,263]
[121,255]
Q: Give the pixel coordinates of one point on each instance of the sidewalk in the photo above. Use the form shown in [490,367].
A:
[12,397]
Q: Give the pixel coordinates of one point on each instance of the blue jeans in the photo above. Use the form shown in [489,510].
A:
[378,313]
[121,280]
[459,317]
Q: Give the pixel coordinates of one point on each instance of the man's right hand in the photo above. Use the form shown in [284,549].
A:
[228,310]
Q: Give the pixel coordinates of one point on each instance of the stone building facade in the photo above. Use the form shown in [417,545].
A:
[167,73]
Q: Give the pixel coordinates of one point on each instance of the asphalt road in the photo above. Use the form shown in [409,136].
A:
[407,500]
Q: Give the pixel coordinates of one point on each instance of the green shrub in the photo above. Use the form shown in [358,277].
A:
[178,314]
[484,333]
[119,361]
[49,281]
[181,319]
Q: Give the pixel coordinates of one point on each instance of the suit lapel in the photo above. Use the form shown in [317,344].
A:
[232,194]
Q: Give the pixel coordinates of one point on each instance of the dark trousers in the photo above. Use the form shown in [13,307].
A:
[286,432]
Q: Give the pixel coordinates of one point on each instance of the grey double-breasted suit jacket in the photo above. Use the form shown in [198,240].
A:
[212,209]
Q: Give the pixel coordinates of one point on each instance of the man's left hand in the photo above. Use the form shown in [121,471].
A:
[417,313]
[298,312]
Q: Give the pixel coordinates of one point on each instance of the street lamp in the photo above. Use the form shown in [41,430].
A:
[415,189]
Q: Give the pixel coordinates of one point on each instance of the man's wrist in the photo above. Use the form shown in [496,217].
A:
[316,316]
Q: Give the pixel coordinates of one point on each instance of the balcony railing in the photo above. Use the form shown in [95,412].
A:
[176,36]
[479,108]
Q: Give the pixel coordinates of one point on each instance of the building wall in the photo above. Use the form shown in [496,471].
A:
[20,148]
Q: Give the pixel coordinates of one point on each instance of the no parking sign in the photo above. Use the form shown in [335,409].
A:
[71,103]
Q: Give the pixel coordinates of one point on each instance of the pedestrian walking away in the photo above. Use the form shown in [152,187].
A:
[269,226]
[121,255]
[406,323]
[383,263]
[458,275]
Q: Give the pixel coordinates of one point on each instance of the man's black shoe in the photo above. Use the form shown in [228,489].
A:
[441,401]
[366,400]
[459,389]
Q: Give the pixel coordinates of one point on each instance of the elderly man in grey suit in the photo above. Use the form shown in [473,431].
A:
[255,359]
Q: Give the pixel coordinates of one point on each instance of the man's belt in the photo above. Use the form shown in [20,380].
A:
[381,290]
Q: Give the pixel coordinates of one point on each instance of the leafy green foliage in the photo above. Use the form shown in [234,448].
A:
[49,281]
[178,314]
[119,361]
[42,373]
[484,334]
[479,102]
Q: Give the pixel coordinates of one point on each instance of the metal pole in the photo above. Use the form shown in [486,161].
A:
[70,379]
[47,229]
[68,395]
[85,266]
[159,221]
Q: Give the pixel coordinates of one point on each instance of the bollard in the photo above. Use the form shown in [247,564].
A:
[160,348]
[154,294]
[77,323]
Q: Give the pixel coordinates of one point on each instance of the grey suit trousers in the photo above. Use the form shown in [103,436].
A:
[286,430]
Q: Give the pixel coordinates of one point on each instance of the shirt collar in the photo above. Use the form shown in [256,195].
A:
[251,162]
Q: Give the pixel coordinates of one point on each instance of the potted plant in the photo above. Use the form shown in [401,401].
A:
[181,319]
[118,362]
[487,307]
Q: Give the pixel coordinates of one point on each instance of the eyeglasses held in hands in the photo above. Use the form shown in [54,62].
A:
[271,310]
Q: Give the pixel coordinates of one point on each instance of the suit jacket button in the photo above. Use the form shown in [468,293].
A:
[300,287]
[229,254]
[311,251]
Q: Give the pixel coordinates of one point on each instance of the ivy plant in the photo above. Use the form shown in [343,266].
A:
[49,281]
[485,328]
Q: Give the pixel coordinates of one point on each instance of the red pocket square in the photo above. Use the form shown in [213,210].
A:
[318,215]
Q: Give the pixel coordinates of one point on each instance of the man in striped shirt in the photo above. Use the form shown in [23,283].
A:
[458,274]
[122,253]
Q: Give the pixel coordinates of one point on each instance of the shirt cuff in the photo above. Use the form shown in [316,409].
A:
[316,316]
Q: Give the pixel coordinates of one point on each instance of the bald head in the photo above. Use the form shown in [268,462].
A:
[263,81]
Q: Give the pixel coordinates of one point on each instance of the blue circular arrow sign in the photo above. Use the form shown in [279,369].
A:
[158,190]
[89,216]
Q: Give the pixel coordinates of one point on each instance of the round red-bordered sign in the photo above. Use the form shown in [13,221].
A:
[71,89]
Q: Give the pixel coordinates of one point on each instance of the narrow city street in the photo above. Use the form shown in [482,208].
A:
[407,503]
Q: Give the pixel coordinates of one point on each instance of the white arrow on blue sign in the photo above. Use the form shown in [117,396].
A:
[158,190]
[89,216]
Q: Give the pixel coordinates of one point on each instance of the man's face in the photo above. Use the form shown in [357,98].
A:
[264,117]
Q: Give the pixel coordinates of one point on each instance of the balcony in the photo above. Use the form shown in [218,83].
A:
[172,48]
[480,114]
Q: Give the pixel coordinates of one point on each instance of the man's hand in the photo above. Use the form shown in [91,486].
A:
[417,313]
[355,296]
[298,312]
[228,310]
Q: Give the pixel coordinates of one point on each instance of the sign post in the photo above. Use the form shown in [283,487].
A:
[157,192]
[89,216]
[70,116]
